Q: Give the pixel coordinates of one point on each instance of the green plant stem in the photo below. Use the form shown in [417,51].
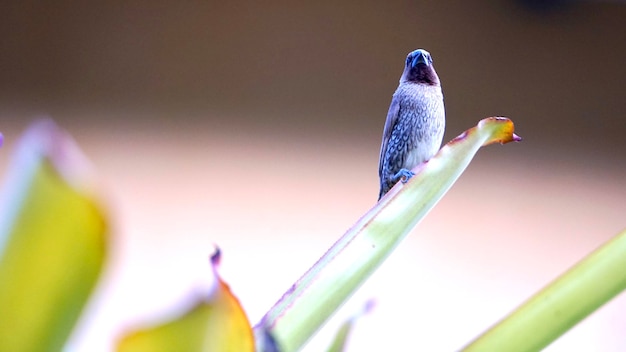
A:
[562,304]
[306,306]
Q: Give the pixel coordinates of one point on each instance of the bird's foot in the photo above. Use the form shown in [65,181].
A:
[403,175]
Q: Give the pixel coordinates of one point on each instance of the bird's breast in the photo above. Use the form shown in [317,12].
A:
[421,122]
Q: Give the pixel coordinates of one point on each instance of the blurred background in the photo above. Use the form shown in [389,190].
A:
[257,127]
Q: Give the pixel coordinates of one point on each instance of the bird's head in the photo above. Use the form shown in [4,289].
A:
[419,68]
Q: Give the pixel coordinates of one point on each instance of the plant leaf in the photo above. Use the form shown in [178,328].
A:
[52,242]
[339,342]
[217,324]
[562,304]
[306,306]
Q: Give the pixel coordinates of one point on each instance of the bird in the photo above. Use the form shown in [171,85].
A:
[415,122]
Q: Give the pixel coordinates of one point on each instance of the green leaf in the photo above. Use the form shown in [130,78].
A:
[341,338]
[216,323]
[562,304]
[52,239]
[306,306]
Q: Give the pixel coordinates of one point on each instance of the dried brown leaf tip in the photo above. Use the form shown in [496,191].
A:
[216,257]
[504,132]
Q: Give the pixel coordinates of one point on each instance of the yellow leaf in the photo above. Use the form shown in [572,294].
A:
[52,242]
[216,324]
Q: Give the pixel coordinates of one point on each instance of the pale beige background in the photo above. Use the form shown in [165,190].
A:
[257,128]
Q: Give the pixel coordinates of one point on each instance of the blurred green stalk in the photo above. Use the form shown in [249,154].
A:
[562,304]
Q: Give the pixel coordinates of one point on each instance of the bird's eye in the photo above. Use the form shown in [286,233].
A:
[409,59]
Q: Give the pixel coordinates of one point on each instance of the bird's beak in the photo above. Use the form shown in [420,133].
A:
[421,58]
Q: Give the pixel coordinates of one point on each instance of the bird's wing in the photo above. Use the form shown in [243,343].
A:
[390,123]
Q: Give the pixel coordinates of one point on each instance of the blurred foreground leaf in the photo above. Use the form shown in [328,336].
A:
[306,306]
[52,242]
[562,304]
[341,338]
[216,324]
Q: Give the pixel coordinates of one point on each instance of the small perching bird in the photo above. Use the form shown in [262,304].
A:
[415,121]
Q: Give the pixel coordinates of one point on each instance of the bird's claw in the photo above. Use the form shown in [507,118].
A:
[403,175]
